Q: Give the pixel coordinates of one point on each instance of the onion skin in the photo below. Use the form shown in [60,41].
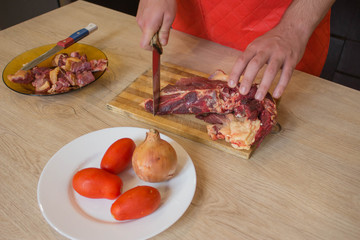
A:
[154,160]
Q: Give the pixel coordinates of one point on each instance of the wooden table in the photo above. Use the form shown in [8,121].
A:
[303,183]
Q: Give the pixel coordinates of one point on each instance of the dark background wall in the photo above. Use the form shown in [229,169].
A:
[125,6]
[342,65]
[17,11]
[343,61]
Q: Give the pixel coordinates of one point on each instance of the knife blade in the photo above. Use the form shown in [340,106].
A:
[156,52]
[73,38]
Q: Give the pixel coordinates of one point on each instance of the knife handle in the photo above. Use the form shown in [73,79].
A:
[78,35]
[155,43]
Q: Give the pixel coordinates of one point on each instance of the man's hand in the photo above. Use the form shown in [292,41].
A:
[277,49]
[280,48]
[153,16]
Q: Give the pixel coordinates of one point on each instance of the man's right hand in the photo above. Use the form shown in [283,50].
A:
[153,16]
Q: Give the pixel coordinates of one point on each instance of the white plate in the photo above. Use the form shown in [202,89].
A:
[77,217]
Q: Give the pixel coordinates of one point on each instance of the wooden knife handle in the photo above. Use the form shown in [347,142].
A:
[155,43]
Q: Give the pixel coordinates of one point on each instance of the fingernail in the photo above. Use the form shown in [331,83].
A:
[231,83]
[276,94]
[163,41]
[258,95]
[243,90]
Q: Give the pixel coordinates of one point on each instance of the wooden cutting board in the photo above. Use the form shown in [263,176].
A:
[186,125]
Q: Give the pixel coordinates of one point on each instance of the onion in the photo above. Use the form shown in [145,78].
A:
[154,160]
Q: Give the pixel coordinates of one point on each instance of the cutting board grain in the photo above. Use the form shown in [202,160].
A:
[186,125]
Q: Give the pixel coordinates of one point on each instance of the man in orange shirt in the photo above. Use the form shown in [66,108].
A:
[283,34]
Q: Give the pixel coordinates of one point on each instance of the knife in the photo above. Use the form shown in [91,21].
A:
[156,52]
[73,38]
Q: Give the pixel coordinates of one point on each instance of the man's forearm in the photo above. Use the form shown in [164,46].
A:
[303,16]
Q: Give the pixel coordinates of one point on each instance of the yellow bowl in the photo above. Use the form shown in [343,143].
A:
[14,65]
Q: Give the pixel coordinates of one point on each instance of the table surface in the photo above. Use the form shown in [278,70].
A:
[302,183]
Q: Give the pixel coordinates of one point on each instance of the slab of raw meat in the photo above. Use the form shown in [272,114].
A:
[239,119]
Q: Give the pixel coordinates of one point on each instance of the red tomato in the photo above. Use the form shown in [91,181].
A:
[136,203]
[97,183]
[118,156]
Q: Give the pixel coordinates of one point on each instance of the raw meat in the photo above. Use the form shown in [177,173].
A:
[84,78]
[239,119]
[21,76]
[66,72]
[98,65]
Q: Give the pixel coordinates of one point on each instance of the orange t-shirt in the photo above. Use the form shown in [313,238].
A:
[236,23]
